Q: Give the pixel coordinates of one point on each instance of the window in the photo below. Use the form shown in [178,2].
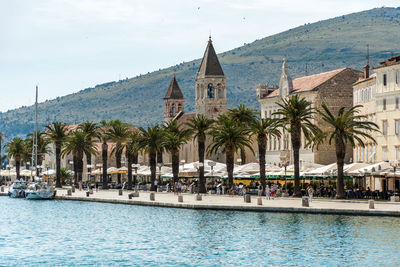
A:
[396,153]
[396,127]
[384,80]
[397,77]
[384,153]
[384,104]
[384,127]
[397,103]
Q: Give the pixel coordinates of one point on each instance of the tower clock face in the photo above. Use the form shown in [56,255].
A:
[210,90]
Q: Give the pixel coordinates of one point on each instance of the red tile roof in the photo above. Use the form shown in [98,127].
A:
[308,83]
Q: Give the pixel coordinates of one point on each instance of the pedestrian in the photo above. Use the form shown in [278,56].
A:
[179,186]
[267,192]
[168,187]
[244,193]
[97,186]
[310,193]
[155,185]
[80,186]
[260,189]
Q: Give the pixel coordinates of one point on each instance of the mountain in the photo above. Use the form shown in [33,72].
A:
[321,46]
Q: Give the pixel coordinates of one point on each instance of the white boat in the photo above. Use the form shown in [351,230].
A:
[39,191]
[17,189]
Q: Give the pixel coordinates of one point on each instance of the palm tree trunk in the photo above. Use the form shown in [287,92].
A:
[80,167]
[295,135]
[17,166]
[175,164]
[159,157]
[88,163]
[104,155]
[130,160]
[340,154]
[202,180]
[75,169]
[262,143]
[58,165]
[243,156]
[118,163]
[152,159]
[230,155]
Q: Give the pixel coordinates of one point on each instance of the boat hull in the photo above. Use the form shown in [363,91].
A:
[16,193]
[39,195]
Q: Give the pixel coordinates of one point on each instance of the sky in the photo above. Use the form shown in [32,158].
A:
[65,46]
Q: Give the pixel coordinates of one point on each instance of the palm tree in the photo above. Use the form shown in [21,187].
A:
[91,129]
[199,126]
[104,138]
[132,151]
[2,137]
[263,129]
[295,116]
[118,133]
[347,127]
[15,148]
[150,141]
[57,133]
[42,147]
[244,117]
[175,138]
[228,135]
[78,145]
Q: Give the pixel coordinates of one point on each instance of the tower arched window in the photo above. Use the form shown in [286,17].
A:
[179,107]
[210,90]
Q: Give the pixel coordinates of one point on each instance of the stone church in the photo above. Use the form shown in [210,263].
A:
[210,100]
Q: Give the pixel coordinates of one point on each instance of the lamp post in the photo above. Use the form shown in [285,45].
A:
[198,165]
[285,164]
[99,165]
[159,165]
[135,166]
[239,161]
[183,164]
[212,164]
[394,164]
[71,163]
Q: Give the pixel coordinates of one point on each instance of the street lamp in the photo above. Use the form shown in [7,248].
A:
[239,161]
[394,164]
[212,164]
[183,164]
[285,164]
[71,163]
[198,165]
[135,166]
[159,165]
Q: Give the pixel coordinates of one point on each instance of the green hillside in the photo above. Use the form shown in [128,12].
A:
[324,45]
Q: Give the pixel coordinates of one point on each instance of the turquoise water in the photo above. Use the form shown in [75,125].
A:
[81,233]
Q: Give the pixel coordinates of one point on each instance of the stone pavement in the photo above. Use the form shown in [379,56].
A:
[218,202]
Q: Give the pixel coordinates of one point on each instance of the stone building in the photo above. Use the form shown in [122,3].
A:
[210,94]
[333,88]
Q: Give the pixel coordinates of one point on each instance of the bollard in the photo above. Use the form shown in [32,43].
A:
[304,202]
[152,196]
[180,198]
[198,197]
[371,204]
[130,196]
[69,192]
[259,201]
[120,192]
[135,194]
[87,193]
[247,198]
[73,189]
[2,189]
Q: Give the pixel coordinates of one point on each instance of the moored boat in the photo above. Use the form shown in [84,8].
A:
[39,191]
[17,189]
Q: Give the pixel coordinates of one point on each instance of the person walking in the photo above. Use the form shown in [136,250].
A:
[155,185]
[260,189]
[179,187]
[310,193]
[267,192]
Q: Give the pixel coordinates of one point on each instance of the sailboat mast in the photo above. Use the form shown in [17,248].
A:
[36,129]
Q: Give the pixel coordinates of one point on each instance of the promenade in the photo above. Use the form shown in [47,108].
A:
[225,202]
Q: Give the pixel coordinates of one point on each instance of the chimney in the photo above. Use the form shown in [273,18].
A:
[366,71]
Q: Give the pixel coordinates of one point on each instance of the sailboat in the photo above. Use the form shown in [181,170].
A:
[38,189]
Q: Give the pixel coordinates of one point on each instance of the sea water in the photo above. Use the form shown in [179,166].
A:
[68,233]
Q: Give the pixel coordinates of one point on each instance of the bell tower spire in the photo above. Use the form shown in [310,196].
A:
[210,85]
[173,101]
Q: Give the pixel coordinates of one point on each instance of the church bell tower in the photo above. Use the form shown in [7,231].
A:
[173,101]
[210,85]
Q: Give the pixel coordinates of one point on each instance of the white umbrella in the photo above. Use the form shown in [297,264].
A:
[49,172]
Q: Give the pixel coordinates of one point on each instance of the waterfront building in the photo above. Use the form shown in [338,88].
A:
[334,88]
